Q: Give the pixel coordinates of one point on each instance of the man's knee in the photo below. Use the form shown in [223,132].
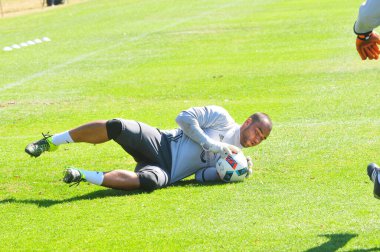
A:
[152,179]
[113,128]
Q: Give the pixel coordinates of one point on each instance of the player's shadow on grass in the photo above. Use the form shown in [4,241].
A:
[337,241]
[89,196]
[194,183]
[101,194]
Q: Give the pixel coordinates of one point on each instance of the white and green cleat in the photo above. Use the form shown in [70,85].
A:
[73,176]
[35,149]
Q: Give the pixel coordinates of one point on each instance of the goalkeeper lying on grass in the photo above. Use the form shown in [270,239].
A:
[163,156]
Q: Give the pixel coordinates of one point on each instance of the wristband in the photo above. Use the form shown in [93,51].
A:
[363,36]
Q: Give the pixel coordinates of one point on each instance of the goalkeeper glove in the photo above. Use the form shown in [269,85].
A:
[222,148]
[366,45]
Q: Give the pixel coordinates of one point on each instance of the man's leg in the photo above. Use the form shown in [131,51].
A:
[93,132]
[117,179]
[121,179]
[146,177]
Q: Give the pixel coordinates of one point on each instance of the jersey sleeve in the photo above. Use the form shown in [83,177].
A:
[195,120]
[208,116]
[368,18]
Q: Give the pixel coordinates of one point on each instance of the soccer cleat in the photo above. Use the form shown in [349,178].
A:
[73,176]
[35,149]
[373,172]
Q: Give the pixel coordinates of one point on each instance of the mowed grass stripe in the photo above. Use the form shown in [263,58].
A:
[119,43]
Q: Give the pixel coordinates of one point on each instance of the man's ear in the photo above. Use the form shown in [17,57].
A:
[248,121]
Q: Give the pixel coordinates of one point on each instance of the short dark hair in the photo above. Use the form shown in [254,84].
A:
[261,117]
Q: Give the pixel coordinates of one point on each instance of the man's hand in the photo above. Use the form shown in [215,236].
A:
[227,149]
[250,165]
[222,148]
[366,45]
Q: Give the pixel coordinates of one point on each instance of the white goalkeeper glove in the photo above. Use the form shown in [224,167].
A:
[222,148]
[250,166]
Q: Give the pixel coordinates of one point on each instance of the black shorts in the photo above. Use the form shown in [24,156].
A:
[147,145]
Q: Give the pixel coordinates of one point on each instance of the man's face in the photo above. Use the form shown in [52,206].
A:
[252,134]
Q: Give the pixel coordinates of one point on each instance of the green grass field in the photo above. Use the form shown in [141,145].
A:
[148,60]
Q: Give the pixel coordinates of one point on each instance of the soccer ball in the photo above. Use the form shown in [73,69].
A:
[232,168]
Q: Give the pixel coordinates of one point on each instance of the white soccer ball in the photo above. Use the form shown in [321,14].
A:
[232,168]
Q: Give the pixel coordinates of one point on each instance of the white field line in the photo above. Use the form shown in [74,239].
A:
[87,55]
[25,44]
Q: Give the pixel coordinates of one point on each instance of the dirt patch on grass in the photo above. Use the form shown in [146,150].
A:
[11,8]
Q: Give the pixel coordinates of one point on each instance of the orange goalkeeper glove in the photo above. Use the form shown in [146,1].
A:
[366,45]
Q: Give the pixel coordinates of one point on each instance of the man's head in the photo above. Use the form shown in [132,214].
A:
[255,129]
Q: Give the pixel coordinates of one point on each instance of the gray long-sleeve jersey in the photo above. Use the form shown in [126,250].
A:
[369,17]
[188,156]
